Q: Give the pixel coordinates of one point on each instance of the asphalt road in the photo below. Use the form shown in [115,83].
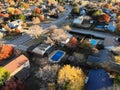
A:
[60,19]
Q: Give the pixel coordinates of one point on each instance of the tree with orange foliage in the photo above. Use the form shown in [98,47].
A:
[104,18]
[37,10]
[6,51]
[107,6]
[72,43]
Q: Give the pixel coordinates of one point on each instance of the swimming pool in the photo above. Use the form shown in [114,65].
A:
[57,56]
[93,41]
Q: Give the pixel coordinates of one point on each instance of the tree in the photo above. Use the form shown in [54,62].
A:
[117,31]
[4,75]
[117,59]
[75,10]
[22,17]
[117,79]
[14,84]
[71,78]
[67,28]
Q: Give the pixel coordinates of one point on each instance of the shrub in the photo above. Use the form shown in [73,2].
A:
[71,78]
[85,45]
[22,17]
[75,10]
[117,79]
[74,4]
[4,75]
[117,32]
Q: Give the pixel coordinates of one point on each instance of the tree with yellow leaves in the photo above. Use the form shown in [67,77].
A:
[117,59]
[71,78]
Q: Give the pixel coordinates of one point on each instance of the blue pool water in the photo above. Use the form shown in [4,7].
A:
[93,42]
[57,56]
[100,27]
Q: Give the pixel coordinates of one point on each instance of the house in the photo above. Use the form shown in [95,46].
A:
[101,56]
[83,21]
[98,79]
[19,67]
[17,23]
[40,49]
[110,43]
[103,59]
